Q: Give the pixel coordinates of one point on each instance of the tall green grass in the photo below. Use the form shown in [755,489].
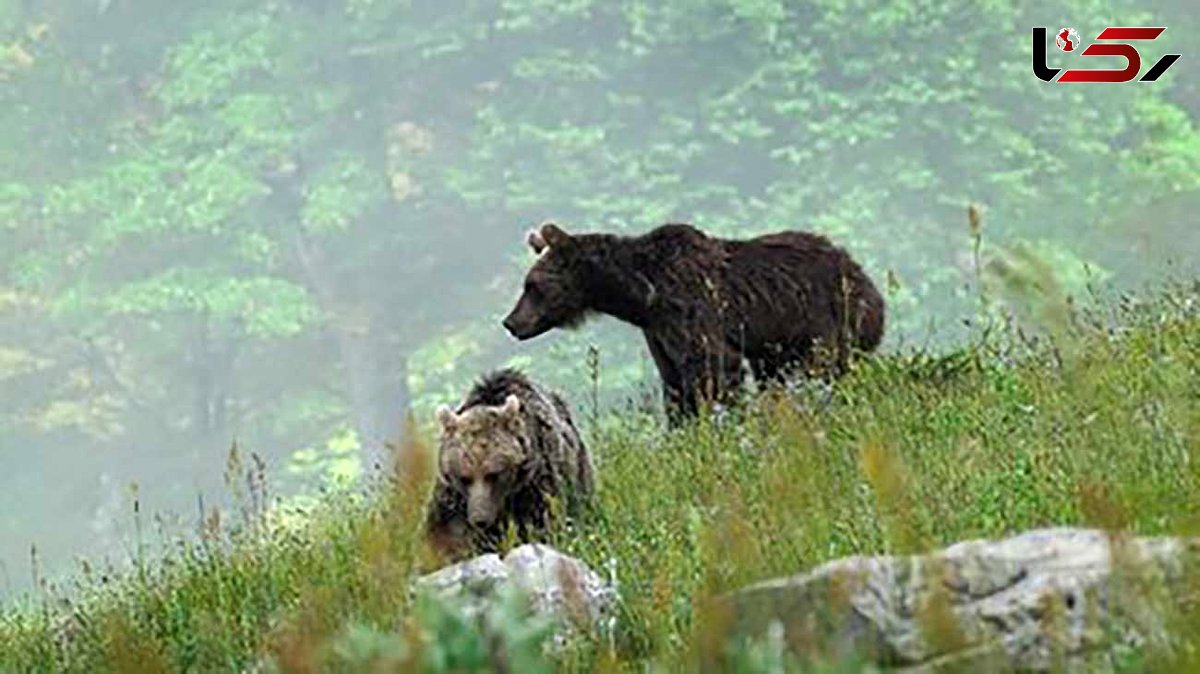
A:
[1095,420]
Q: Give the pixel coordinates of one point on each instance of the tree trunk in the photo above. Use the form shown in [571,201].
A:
[212,364]
[374,363]
[377,373]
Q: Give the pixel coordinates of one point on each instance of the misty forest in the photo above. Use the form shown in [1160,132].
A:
[248,248]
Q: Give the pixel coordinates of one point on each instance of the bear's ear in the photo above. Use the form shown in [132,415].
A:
[510,415]
[446,417]
[553,235]
[535,241]
[512,406]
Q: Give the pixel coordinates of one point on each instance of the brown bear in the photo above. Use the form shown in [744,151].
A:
[507,451]
[784,301]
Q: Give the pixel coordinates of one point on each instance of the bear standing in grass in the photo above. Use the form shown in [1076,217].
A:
[508,450]
[784,301]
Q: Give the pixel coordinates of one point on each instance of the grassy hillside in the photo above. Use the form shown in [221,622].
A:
[1095,421]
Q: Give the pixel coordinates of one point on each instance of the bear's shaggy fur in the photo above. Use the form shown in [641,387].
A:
[505,452]
[783,301]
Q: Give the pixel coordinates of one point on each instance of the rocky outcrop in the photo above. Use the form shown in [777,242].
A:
[559,587]
[1052,599]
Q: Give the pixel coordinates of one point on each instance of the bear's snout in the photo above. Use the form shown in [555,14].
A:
[481,506]
[520,326]
[510,324]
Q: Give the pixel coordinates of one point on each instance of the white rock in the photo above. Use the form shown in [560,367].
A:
[558,586]
[1037,601]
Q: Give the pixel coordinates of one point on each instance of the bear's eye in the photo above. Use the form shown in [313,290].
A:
[532,289]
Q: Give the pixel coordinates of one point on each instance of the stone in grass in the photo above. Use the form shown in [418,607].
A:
[1058,599]
[559,587]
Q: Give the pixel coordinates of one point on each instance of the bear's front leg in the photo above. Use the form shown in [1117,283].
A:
[694,370]
[680,402]
[667,351]
[707,378]
[445,527]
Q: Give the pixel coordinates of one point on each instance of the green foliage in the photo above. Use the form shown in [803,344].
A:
[212,62]
[446,640]
[336,461]
[268,307]
[340,197]
[1172,148]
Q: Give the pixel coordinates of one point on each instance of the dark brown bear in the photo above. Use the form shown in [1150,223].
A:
[784,301]
[507,451]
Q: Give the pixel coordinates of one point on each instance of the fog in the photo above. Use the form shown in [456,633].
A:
[284,226]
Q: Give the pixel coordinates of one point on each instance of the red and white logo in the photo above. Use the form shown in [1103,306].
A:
[1112,41]
[1067,39]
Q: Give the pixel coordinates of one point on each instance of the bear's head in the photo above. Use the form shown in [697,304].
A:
[483,454]
[554,294]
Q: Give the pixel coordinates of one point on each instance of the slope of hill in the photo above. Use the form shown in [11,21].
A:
[1095,421]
